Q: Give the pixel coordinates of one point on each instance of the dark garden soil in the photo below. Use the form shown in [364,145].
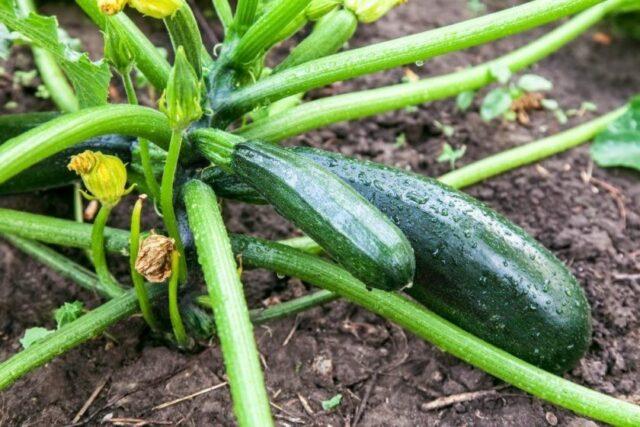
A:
[384,374]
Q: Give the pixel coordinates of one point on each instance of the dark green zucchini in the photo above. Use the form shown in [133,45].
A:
[350,229]
[473,267]
[476,268]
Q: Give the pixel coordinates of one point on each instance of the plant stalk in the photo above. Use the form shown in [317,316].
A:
[233,325]
[167,199]
[328,36]
[264,33]
[98,253]
[174,310]
[71,335]
[223,10]
[60,264]
[245,15]
[27,149]
[529,153]
[351,106]
[400,51]
[145,157]
[136,278]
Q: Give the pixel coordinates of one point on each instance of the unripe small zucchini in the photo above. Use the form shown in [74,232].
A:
[348,227]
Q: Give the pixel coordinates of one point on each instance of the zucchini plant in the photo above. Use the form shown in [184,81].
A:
[412,249]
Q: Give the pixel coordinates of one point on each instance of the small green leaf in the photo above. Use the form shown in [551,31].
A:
[619,144]
[589,106]
[89,79]
[332,403]
[534,83]
[68,312]
[33,335]
[464,100]
[495,104]
[561,117]
[501,73]
[401,140]
[447,130]
[450,155]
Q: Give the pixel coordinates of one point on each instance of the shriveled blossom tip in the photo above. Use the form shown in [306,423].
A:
[154,258]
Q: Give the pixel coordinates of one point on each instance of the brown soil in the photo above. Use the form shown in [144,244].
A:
[384,374]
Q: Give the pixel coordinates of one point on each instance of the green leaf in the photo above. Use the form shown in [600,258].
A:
[401,140]
[464,100]
[68,312]
[332,403]
[89,79]
[495,104]
[534,83]
[501,73]
[619,144]
[33,335]
[450,155]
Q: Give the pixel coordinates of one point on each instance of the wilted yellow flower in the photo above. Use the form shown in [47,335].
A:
[158,9]
[154,258]
[111,7]
[104,176]
[371,10]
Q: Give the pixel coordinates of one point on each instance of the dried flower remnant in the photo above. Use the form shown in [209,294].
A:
[154,258]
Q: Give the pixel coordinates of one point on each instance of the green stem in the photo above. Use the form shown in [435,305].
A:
[223,10]
[166,198]
[148,58]
[245,15]
[136,278]
[529,153]
[215,145]
[145,157]
[98,252]
[264,33]
[233,325]
[61,265]
[29,148]
[260,316]
[328,36]
[174,310]
[71,335]
[319,113]
[183,30]
[430,327]
[401,51]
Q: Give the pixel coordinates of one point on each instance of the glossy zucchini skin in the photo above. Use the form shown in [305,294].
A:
[53,172]
[476,268]
[348,227]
